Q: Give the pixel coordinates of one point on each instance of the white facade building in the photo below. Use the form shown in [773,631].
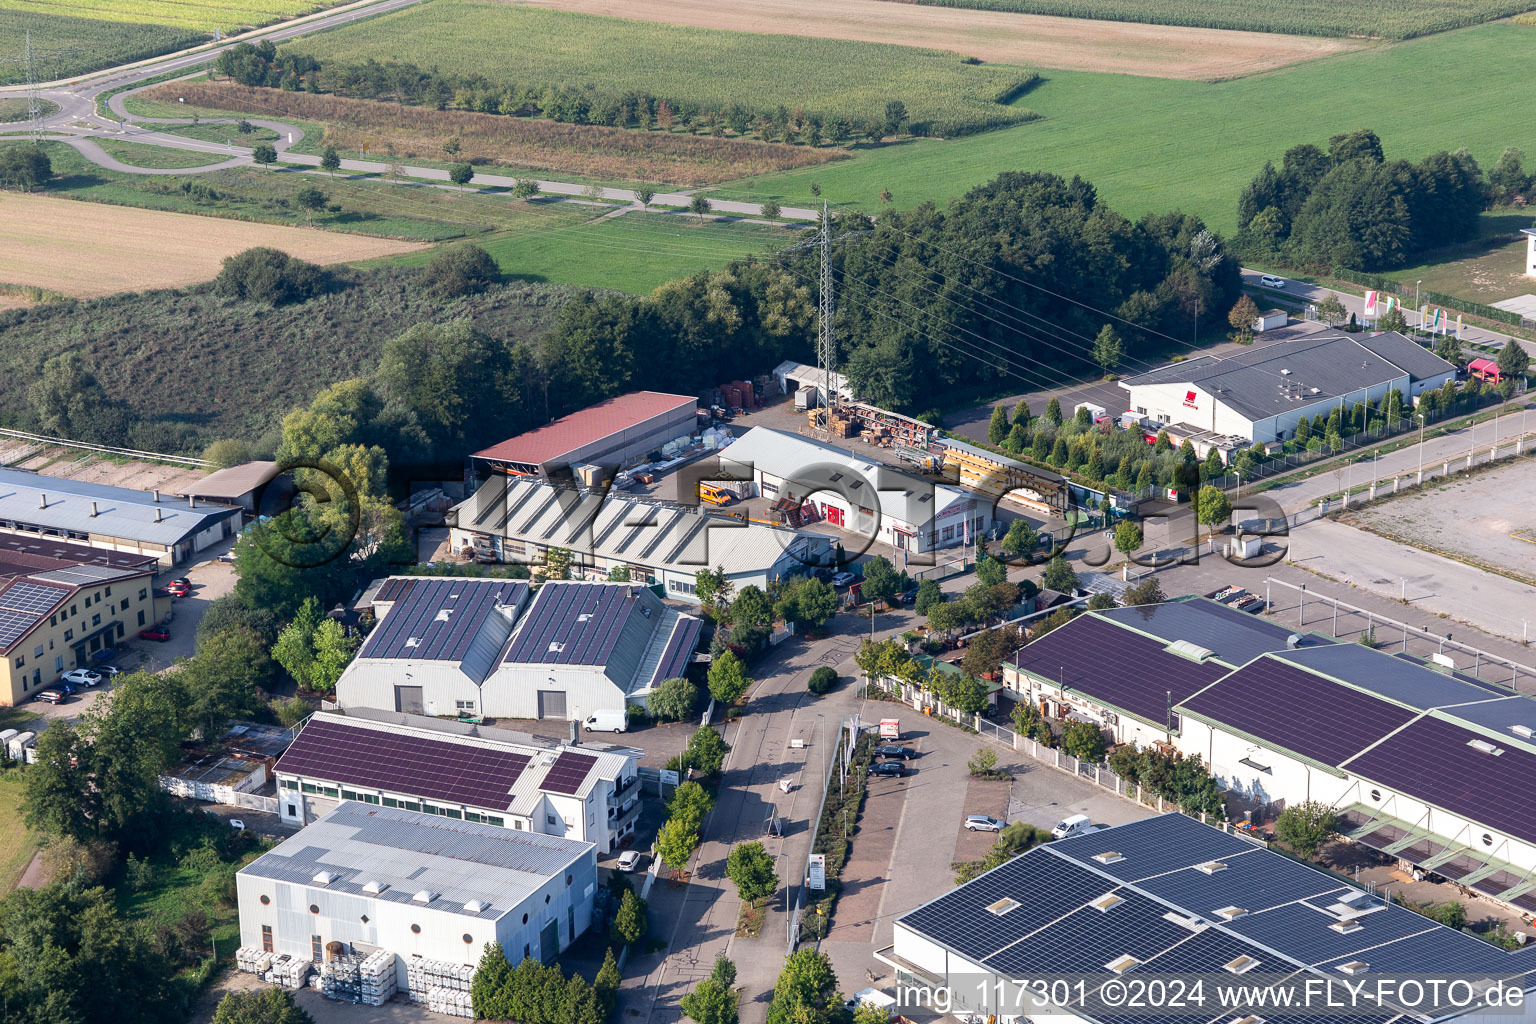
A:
[461,771]
[863,497]
[1260,393]
[412,884]
[484,648]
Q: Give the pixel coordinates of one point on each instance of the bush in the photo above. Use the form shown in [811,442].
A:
[1306,827]
[462,269]
[822,680]
[673,700]
[227,452]
[24,167]
[269,275]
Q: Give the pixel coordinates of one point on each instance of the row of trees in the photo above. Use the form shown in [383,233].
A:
[536,993]
[1351,207]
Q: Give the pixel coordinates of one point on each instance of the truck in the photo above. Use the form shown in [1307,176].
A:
[608,721]
[890,728]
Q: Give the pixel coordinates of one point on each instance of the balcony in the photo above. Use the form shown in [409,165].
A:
[618,796]
[623,819]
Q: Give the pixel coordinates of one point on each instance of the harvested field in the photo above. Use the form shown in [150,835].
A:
[1003,37]
[88,249]
[592,151]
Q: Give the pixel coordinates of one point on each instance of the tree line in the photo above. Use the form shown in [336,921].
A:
[407,83]
[1350,206]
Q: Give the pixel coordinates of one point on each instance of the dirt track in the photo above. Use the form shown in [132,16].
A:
[90,249]
[1076,44]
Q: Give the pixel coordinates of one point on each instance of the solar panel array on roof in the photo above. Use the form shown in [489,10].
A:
[1405,681]
[13,626]
[1116,666]
[394,589]
[1234,637]
[572,624]
[438,619]
[33,598]
[407,764]
[1434,761]
[568,772]
[679,650]
[1299,711]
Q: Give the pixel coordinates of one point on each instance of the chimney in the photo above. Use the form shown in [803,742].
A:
[42,501]
[191,501]
[94,513]
[159,514]
[157,495]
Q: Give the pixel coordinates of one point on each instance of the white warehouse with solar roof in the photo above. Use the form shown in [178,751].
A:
[492,648]
[415,885]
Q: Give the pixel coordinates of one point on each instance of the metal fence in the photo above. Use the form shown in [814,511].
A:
[942,570]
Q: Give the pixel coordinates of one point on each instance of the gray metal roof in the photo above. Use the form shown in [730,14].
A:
[120,512]
[85,575]
[1274,379]
[1233,637]
[407,852]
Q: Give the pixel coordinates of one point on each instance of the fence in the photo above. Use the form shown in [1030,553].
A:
[942,570]
[105,449]
[1386,284]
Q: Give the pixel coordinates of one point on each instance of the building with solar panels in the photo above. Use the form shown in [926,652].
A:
[460,770]
[1170,896]
[1424,764]
[492,648]
[55,620]
[416,885]
[113,518]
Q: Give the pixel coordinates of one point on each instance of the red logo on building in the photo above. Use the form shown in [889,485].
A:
[1189,400]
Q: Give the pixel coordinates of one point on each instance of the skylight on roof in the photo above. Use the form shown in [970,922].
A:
[1003,905]
[1346,927]
[584,617]
[443,615]
[1185,649]
[1525,732]
[1231,913]
[323,878]
[1250,1019]
[373,887]
[424,896]
[1354,967]
[1485,747]
[1241,964]
[1121,964]
[473,907]
[1210,867]
[1105,902]
[1109,857]
[555,647]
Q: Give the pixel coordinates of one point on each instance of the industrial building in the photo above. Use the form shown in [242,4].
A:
[1260,393]
[1421,762]
[605,435]
[460,770]
[864,497]
[416,885]
[652,542]
[1170,896]
[56,620]
[485,648]
[794,377]
[112,518]
[234,485]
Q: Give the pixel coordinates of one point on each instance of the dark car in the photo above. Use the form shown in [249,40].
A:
[892,768]
[909,597]
[155,633]
[895,751]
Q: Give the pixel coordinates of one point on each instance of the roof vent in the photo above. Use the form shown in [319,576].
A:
[1250,1019]
[414,641]
[1105,902]
[555,647]
[159,514]
[1241,965]
[323,878]
[1485,747]
[1210,867]
[584,617]
[1231,913]
[1285,373]
[1121,964]
[42,500]
[1190,922]
[94,513]
[1525,732]
[473,907]
[1185,649]
[1003,905]
[443,615]
[1354,967]
[157,494]
[1109,857]
[424,896]
[1346,927]
[373,887]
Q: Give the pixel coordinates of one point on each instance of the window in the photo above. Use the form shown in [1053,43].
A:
[410,805]
[491,819]
[124,606]
[314,908]
[473,816]
[87,600]
[53,620]
[20,660]
[681,587]
[347,794]
[468,938]
[415,929]
[141,616]
[266,900]
[38,651]
[364,919]
[314,948]
[69,635]
[266,938]
[310,787]
[464,705]
[58,663]
[74,610]
[525,921]
[370,798]
[119,630]
[293,812]
[96,619]
[288,783]
[143,593]
[330,791]
[552,819]
[390,801]
[107,592]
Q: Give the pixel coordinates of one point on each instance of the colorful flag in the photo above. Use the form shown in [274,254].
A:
[1438,319]
[1458,325]
[1370,303]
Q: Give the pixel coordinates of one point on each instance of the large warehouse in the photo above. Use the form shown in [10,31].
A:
[1421,764]
[607,434]
[858,495]
[520,520]
[1168,896]
[413,884]
[460,770]
[113,518]
[447,646]
[1260,393]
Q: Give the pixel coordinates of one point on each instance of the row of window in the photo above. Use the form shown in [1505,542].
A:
[316,953]
[113,631]
[388,801]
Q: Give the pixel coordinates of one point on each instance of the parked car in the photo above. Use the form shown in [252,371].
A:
[82,677]
[895,751]
[50,697]
[628,860]
[159,634]
[984,823]
[228,556]
[1076,825]
[842,579]
[109,671]
[1271,281]
[892,768]
[181,581]
[909,597]
[174,591]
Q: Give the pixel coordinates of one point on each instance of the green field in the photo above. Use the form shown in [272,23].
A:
[712,68]
[1158,144]
[219,133]
[140,155]
[634,253]
[1487,270]
[17,842]
[111,32]
[13,109]
[1392,19]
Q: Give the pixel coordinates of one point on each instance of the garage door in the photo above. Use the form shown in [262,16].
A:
[408,700]
[551,703]
[549,941]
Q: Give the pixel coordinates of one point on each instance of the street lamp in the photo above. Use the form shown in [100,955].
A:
[1421,448]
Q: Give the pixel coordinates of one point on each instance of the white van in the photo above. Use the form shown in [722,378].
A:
[608,721]
[1077,825]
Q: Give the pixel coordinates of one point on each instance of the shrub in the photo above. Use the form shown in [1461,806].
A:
[1306,827]
[673,700]
[269,275]
[822,680]
[24,167]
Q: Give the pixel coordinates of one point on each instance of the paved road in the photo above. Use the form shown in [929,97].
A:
[1298,291]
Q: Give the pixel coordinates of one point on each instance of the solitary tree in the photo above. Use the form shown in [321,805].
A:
[264,153]
[751,868]
[644,194]
[1020,540]
[451,147]
[1514,361]
[728,678]
[1306,827]
[1128,537]
[311,199]
[1331,310]
[672,700]
[1393,320]
[330,160]
[460,173]
[895,117]
[1148,591]
[771,209]
[699,206]
[885,197]
[675,842]
[1244,312]
[24,167]
[1212,508]
[880,580]
[1108,349]
[629,924]
[1084,741]
[1060,576]
[526,188]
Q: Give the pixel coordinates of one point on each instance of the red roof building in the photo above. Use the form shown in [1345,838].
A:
[607,434]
